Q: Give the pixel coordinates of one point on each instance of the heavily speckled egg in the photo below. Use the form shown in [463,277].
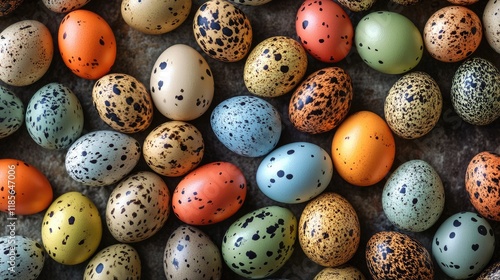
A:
[463,245]
[222,30]
[357,5]
[191,254]
[329,220]
[71,229]
[247,125]
[322,101]
[8,6]
[413,105]
[138,207]
[64,6]
[173,148]
[363,149]
[251,2]
[209,194]
[260,242]
[388,42]
[482,183]
[54,117]
[395,255]
[452,33]
[21,258]
[340,273]
[475,91]
[462,2]
[324,29]
[155,17]
[87,44]
[181,82]
[117,261]
[11,112]
[491,24]
[102,157]
[26,51]
[406,2]
[275,66]
[492,272]
[123,102]
[280,177]
[413,196]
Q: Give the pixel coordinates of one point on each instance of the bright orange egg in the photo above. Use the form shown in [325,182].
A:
[363,149]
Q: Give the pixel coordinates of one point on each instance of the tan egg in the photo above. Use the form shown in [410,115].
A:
[117,261]
[462,2]
[340,273]
[357,5]
[64,6]
[491,22]
[406,2]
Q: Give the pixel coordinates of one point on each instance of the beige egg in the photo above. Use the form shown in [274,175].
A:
[357,5]
[491,22]
[117,261]
[340,273]
[64,6]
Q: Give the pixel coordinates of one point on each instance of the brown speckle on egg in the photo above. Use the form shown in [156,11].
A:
[491,272]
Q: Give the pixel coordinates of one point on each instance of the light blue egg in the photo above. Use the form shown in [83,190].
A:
[11,112]
[21,258]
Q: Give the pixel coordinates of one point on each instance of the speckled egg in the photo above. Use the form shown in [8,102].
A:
[11,112]
[395,255]
[330,220]
[247,125]
[491,24]
[181,83]
[102,157]
[340,273]
[191,254]
[123,103]
[413,105]
[475,91]
[357,5]
[259,243]
[321,101]
[222,30]
[21,258]
[8,6]
[251,2]
[71,229]
[463,245]
[280,177]
[117,261]
[463,2]
[54,117]
[406,2]
[138,207]
[64,6]
[452,33]
[155,17]
[26,51]
[275,66]
[413,196]
[173,148]
[492,272]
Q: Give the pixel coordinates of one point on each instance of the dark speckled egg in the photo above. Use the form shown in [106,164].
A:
[491,272]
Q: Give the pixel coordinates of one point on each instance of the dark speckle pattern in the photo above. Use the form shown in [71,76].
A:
[118,261]
[11,112]
[28,254]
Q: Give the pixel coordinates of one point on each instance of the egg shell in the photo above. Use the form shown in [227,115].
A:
[280,177]
[102,157]
[395,255]
[209,194]
[138,207]
[324,29]
[413,197]
[491,272]
[475,91]
[181,83]
[54,117]
[357,5]
[191,254]
[463,245]
[406,2]
[222,30]
[22,258]
[117,261]
[452,33]
[340,273]
[123,102]
[26,51]
[321,102]
[491,23]
[251,2]
[275,66]
[174,148]
[87,44]
[155,17]
[11,112]
[330,220]
[8,6]
[363,149]
[247,125]
[388,42]
[64,6]
[463,2]
[24,190]
[413,105]
[71,229]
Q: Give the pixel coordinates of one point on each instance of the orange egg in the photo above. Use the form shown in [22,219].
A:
[24,190]
[363,149]
[87,44]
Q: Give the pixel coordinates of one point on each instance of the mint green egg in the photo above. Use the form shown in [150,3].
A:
[11,112]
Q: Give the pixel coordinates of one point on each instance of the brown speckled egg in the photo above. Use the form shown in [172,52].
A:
[7,7]
[492,272]
[413,106]
[482,182]
[222,30]
[64,6]
[406,2]
[491,23]
[117,261]
[322,101]
[329,220]
[462,2]
[395,255]
[452,33]
[340,273]
[357,5]
[275,66]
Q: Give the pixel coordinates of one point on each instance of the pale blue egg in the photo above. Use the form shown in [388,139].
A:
[21,258]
